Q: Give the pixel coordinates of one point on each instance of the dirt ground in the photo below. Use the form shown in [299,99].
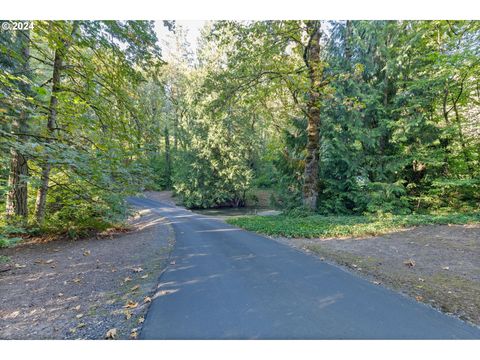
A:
[438,265]
[81,289]
[165,196]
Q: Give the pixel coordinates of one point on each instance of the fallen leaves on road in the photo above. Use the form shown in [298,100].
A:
[12,315]
[41,261]
[131,304]
[111,334]
[410,263]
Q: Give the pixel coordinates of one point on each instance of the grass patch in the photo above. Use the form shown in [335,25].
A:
[6,242]
[316,226]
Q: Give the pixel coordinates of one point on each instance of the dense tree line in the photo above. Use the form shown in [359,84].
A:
[341,117]
[348,116]
[73,138]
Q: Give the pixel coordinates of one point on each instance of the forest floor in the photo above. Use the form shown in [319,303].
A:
[437,264]
[66,289]
[164,196]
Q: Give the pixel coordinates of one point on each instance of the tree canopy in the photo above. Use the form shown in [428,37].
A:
[335,117]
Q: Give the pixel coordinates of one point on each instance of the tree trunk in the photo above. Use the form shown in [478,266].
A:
[17,196]
[315,72]
[51,124]
[175,131]
[168,160]
[17,180]
[445,142]
[462,138]
[348,41]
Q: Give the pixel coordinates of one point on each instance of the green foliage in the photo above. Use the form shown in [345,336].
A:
[72,215]
[316,226]
[288,165]
[160,178]
[387,198]
[213,173]
[8,234]
[6,242]
[101,145]
[395,122]
[398,125]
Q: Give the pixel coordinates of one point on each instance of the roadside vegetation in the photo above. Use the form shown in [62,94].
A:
[355,123]
[74,139]
[348,128]
[317,226]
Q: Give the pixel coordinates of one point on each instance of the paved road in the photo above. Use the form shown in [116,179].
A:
[228,283]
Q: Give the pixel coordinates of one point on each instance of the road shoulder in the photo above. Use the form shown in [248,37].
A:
[437,265]
[82,289]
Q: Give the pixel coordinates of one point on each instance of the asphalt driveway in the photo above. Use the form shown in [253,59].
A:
[227,283]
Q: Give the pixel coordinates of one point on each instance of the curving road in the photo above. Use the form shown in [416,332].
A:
[227,283]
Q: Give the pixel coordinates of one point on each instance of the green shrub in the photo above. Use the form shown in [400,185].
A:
[78,216]
[6,242]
